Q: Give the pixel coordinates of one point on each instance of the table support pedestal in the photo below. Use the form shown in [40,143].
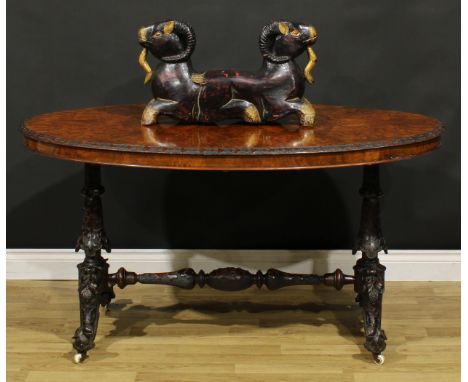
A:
[369,273]
[93,286]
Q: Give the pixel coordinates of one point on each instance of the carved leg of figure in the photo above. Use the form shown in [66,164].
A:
[368,272]
[299,106]
[156,107]
[306,113]
[93,286]
[239,108]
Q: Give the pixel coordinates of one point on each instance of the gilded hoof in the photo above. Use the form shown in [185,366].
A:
[307,114]
[251,115]
[307,120]
[150,114]
[149,118]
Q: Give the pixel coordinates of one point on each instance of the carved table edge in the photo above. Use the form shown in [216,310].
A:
[128,148]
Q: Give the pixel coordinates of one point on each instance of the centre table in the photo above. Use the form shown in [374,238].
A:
[342,136]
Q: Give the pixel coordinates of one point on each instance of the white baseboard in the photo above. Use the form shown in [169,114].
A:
[402,265]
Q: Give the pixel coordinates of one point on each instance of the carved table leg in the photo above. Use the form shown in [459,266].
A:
[368,272]
[93,286]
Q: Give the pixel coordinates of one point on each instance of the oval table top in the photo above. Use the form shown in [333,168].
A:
[341,136]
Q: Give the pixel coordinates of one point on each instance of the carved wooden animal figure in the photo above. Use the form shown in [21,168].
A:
[270,93]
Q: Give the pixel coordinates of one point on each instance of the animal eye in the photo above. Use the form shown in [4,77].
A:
[295,33]
[157,34]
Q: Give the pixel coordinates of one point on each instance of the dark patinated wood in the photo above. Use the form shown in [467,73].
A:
[229,279]
[274,91]
[342,136]
[369,273]
[93,286]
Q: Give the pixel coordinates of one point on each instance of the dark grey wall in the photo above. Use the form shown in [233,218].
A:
[387,54]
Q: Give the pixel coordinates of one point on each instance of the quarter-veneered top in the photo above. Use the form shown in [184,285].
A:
[341,136]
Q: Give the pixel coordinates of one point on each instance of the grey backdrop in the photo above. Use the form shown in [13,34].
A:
[387,54]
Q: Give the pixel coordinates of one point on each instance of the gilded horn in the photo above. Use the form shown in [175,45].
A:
[310,65]
[144,64]
[312,56]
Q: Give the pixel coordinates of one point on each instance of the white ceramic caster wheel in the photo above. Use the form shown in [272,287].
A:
[78,358]
[379,359]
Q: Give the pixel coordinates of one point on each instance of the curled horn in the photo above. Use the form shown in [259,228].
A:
[312,58]
[187,36]
[269,33]
[142,33]
[144,64]
[310,65]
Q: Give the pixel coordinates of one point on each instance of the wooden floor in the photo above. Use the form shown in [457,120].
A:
[159,333]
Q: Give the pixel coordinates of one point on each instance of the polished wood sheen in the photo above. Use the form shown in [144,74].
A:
[341,136]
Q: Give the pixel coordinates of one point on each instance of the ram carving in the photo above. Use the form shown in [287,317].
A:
[274,91]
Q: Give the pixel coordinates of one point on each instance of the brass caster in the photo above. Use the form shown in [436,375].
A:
[379,359]
[78,358]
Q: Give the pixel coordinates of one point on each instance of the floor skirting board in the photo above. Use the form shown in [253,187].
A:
[402,265]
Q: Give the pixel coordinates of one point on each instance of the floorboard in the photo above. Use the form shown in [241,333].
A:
[159,333]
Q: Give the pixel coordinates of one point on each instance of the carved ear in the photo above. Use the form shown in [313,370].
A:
[283,28]
[169,27]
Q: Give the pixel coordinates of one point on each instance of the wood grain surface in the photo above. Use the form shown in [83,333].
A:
[158,333]
[342,136]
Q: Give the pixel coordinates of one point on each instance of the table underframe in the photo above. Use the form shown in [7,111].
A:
[95,283]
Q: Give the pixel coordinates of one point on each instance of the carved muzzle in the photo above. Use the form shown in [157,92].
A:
[143,33]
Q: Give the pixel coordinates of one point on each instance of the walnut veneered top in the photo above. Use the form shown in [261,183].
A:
[342,136]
